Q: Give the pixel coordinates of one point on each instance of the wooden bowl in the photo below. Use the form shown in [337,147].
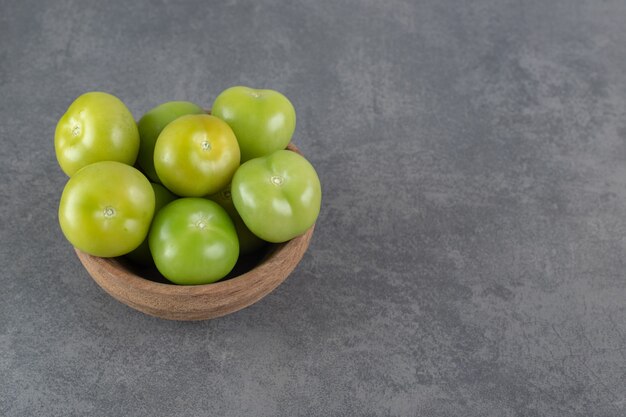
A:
[145,290]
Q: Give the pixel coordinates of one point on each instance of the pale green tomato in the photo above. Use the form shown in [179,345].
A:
[263,120]
[278,196]
[96,127]
[106,209]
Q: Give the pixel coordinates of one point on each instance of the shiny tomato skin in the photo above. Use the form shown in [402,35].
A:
[96,127]
[193,242]
[106,209]
[278,196]
[196,155]
[263,120]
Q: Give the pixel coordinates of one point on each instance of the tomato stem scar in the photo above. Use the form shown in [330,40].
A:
[109,212]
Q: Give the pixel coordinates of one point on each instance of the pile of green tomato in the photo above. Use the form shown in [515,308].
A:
[181,189]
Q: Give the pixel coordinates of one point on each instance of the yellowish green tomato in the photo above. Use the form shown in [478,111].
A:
[263,120]
[193,241]
[278,196]
[163,196]
[106,209]
[196,155]
[96,127]
[151,125]
[248,241]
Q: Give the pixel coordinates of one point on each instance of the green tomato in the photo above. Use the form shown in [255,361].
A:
[151,125]
[106,209]
[278,196]
[196,155]
[96,127]
[263,120]
[193,241]
[162,197]
[248,241]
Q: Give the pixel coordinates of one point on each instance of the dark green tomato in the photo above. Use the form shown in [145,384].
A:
[193,241]
[96,127]
[278,196]
[263,120]
[151,125]
[106,209]
[162,197]
[248,241]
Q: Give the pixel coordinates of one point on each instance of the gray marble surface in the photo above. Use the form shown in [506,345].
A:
[470,255]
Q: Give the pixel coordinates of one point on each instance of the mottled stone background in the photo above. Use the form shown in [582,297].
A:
[470,255]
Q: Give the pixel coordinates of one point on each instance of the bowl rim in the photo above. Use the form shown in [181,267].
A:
[127,278]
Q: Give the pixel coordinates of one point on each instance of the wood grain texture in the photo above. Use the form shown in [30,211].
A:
[197,302]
